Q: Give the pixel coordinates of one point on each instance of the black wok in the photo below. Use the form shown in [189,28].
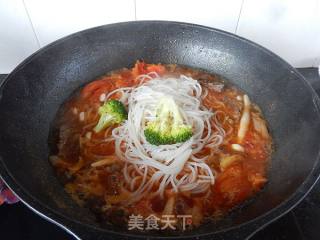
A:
[32,93]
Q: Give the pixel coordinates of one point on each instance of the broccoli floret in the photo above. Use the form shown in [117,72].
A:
[111,112]
[168,127]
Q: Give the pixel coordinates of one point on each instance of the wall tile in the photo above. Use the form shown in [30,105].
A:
[58,18]
[17,39]
[214,13]
[290,28]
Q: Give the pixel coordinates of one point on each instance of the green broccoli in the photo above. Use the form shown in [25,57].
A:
[168,127]
[111,112]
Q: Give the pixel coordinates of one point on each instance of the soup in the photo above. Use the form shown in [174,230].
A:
[160,142]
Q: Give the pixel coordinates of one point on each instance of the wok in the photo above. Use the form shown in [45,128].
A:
[33,92]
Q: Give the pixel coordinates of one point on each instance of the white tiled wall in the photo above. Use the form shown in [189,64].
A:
[53,19]
[290,28]
[215,13]
[17,39]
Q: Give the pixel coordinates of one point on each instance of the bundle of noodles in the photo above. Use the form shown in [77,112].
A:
[151,168]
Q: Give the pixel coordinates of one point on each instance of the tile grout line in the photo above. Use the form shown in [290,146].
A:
[135,10]
[316,61]
[32,26]
[236,30]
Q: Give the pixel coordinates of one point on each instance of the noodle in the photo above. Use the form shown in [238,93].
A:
[167,161]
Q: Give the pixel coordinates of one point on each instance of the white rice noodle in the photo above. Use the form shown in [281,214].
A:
[146,77]
[175,166]
[245,119]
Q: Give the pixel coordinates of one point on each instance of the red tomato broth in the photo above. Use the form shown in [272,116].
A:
[100,189]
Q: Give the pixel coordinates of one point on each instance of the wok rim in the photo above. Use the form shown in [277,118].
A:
[58,218]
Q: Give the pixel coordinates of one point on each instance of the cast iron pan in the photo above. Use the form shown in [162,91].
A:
[33,92]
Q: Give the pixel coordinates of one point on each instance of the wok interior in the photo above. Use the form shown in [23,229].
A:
[36,89]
